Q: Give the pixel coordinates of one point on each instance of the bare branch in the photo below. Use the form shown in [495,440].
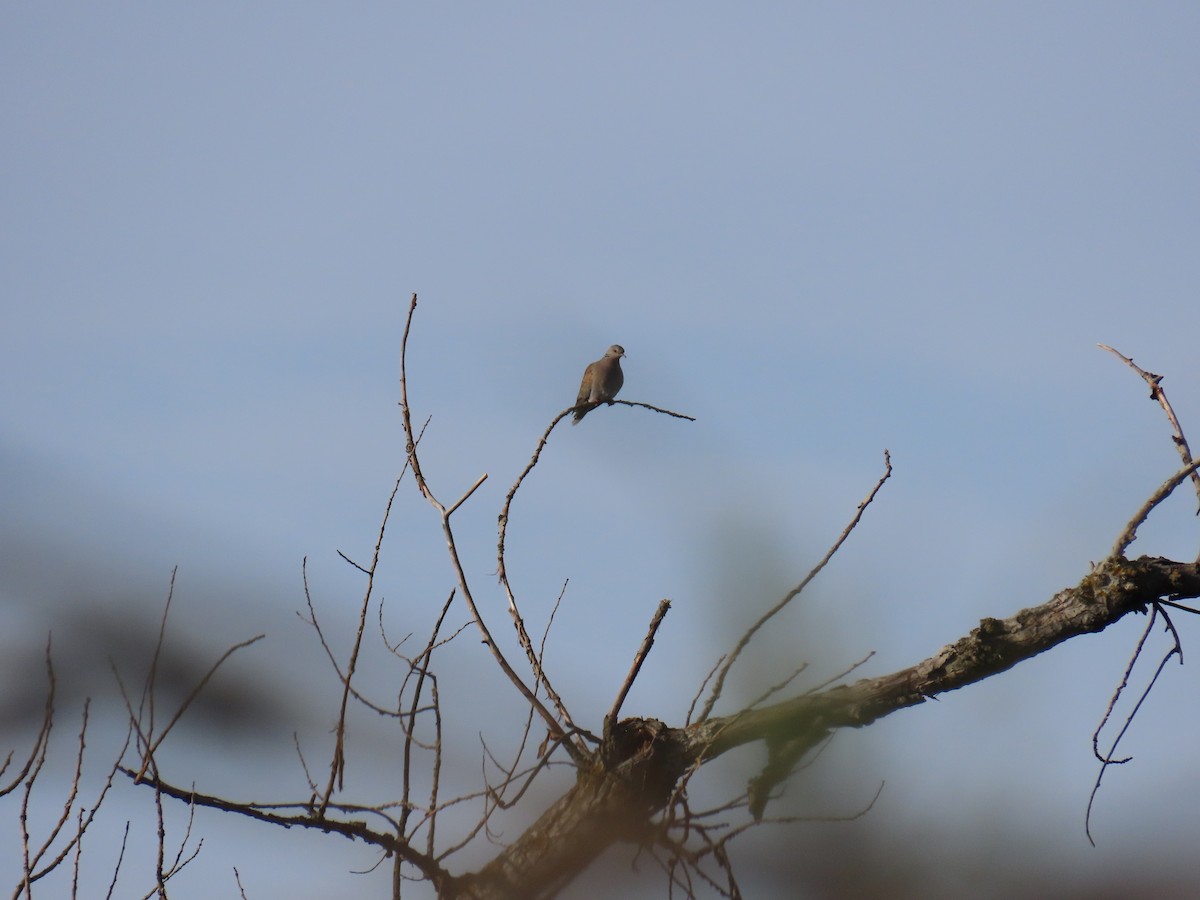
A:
[32,858]
[576,750]
[514,612]
[778,686]
[853,667]
[43,735]
[112,885]
[1129,533]
[195,692]
[310,818]
[337,766]
[420,666]
[643,652]
[794,592]
[463,499]
[502,566]
[411,445]
[353,563]
[1107,759]
[1109,592]
[703,685]
[591,406]
[1157,392]
[632,783]
[651,758]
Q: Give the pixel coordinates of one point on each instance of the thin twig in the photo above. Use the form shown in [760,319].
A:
[794,592]
[840,675]
[523,638]
[410,447]
[112,885]
[700,690]
[421,666]
[353,563]
[1129,532]
[657,409]
[266,813]
[495,792]
[43,735]
[778,686]
[1158,393]
[577,751]
[84,818]
[1107,759]
[463,499]
[337,766]
[502,567]
[195,692]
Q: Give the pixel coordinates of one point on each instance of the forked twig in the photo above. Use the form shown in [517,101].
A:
[305,816]
[33,858]
[464,588]
[502,568]
[190,698]
[1127,537]
[1107,759]
[337,766]
[420,666]
[43,735]
[1158,393]
[146,731]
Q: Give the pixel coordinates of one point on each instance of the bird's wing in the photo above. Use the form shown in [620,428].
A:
[585,386]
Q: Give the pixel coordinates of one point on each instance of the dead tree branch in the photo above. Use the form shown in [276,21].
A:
[1158,393]
[719,684]
[631,785]
[510,673]
[642,653]
[1129,533]
[651,757]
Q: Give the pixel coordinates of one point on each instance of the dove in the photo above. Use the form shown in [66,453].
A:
[601,381]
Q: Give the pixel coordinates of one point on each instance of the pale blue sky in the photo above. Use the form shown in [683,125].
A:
[822,229]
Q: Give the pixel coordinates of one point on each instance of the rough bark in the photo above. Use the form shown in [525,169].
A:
[636,773]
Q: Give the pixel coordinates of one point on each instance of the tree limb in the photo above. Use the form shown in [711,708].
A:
[618,804]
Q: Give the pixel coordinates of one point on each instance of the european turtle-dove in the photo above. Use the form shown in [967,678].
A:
[601,381]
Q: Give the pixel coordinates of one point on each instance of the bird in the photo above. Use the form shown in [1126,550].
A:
[601,382]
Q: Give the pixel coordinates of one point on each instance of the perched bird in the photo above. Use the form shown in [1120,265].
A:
[601,381]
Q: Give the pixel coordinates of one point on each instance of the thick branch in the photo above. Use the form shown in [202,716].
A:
[618,805]
[1110,592]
